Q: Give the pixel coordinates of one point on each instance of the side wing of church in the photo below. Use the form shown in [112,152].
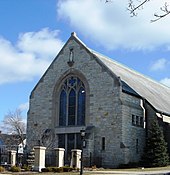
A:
[83,89]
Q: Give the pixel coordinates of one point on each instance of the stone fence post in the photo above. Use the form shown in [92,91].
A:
[12,157]
[39,162]
[59,156]
[76,158]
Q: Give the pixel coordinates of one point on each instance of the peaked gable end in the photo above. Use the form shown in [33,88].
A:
[133,82]
[72,38]
[69,47]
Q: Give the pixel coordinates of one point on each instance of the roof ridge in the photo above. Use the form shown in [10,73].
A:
[129,69]
[120,64]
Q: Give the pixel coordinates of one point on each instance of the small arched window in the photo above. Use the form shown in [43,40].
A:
[72,102]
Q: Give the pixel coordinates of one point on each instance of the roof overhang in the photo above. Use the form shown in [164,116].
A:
[164,118]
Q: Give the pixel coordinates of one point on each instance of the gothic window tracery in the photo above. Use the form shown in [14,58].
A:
[72,102]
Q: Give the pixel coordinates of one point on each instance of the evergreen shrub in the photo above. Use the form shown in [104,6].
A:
[2,169]
[26,168]
[67,169]
[155,152]
[57,169]
[15,169]
[47,169]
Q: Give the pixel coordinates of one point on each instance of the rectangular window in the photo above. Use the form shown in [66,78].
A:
[137,121]
[103,143]
[61,140]
[70,142]
[73,140]
[78,141]
[133,120]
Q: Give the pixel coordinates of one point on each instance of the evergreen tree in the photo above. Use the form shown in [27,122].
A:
[155,153]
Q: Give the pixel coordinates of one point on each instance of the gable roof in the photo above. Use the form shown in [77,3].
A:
[157,94]
[10,139]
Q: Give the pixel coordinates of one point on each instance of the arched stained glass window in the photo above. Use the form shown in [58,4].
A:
[72,102]
[63,103]
[72,107]
[81,107]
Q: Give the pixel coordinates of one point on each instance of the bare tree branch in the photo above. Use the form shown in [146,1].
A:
[165,11]
[133,8]
[108,1]
[13,123]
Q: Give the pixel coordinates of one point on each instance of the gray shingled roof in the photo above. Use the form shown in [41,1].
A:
[155,93]
[9,139]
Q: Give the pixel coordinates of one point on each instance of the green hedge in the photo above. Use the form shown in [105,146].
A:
[26,168]
[57,169]
[15,169]
[47,169]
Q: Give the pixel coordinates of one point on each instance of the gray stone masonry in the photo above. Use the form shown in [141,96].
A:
[108,109]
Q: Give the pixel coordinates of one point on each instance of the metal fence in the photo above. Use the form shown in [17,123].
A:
[50,158]
[5,155]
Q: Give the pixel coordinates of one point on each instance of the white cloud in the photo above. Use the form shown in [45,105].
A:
[24,106]
[160,64]
[110,24]
[166,81]
[30,57]
[24,109]
[43,43]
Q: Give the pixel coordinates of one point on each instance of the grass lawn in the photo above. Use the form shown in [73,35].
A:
[145,169]
[91,172]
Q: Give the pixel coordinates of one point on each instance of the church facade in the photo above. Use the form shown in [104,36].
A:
[83,89]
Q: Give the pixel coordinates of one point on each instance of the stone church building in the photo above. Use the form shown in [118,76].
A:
[83,89]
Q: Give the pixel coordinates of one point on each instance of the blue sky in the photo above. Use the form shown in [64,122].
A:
[33,31]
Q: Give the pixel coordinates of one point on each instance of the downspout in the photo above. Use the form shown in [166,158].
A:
[146,116]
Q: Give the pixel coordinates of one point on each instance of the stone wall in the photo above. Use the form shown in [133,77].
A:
[133,136]
[107,108]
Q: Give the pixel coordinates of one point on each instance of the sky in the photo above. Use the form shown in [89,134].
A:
[32,32]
